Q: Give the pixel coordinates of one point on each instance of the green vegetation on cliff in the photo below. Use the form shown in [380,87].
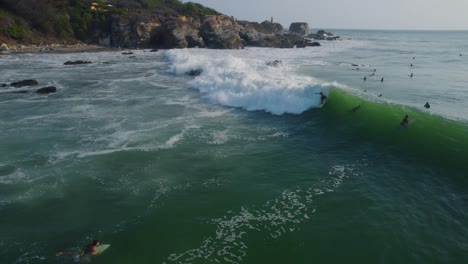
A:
[27,21]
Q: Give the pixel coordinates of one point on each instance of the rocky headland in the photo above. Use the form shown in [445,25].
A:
[177,26]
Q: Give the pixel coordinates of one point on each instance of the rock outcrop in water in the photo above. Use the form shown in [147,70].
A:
[78,62]
[323,35]
[47,90]
[299,28]
[24,83]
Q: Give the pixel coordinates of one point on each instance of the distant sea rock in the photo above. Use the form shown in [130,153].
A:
[314,44]
[76,62]
[47,90]
[323,35]
[24,83]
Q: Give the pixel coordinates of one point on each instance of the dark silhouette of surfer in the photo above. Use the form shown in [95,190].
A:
[381,80]
[411,75]
[365,78]
[356,108]
[427,105]
[404,123]
[323,97]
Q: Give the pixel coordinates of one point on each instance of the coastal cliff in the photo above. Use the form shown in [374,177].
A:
[138,24]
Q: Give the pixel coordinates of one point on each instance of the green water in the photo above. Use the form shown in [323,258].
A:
[137,159]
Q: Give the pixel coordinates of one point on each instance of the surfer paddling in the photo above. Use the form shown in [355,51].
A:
[323,97]
[90,249]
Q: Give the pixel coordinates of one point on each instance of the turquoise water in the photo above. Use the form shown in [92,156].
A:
[238,165]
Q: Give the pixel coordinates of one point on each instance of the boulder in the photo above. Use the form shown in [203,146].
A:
[47,90]
[296,40]
[314,44]
[274,63]
[24,83]
[323,35]
[195,72]
[4,48]
[299,28]
[76,62]
[220,32]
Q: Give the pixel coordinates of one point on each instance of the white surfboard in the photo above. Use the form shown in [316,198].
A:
[100,249]
[324,101]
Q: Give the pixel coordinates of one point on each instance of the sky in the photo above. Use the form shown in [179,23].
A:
[351,14]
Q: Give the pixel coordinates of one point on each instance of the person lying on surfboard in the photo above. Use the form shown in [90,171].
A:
[404,123]
[323,97]
[90,249]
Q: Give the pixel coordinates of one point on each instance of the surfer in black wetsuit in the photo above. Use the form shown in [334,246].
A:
[323,97]
[404,123]
[427,105]
[356,108]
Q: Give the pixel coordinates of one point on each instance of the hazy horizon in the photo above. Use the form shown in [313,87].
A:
[358,14]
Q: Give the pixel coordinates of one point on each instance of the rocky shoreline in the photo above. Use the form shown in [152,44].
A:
[214,31]
[53,48]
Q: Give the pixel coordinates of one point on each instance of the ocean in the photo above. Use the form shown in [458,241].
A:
[239,164]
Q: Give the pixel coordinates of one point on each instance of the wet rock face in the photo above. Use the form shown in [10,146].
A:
[177,34]
[134,30]
[220,32]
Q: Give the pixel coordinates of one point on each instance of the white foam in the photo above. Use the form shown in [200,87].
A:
[18,176]
[236,81]
[276,217]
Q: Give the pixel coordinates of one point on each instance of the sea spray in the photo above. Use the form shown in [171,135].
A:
[251,85]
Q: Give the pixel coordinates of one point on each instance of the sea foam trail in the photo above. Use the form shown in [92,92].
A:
[247,83]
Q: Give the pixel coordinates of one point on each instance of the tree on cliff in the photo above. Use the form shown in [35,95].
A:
[51,20]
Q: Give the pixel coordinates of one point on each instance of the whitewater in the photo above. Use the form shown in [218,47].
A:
[221,156]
